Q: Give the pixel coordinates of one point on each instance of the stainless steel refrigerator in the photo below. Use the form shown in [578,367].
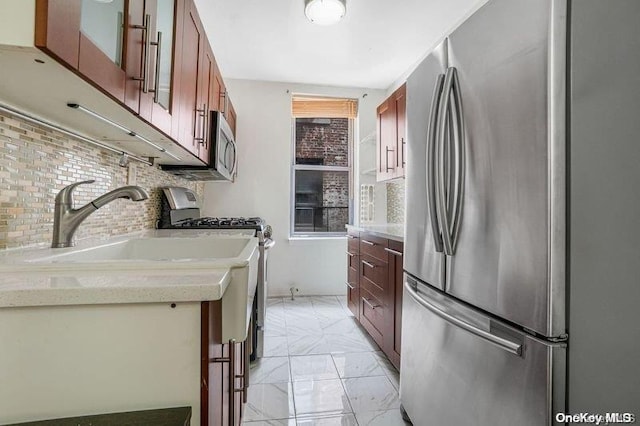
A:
[522,247]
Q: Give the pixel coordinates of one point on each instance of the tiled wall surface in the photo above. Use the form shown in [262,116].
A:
[35,163]
[395,201]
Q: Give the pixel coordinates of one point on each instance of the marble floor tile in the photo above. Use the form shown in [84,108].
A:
[343,420]
[274,329]
[274,422]
[308,345]
[275,346]
[270,370]
[338,325]
[380,418]
[371,393]
[329,311]
[304,326]
[351,342]
[313,367]
[325,301]
[320,397]
[267,401]
[362,364]
[274,301]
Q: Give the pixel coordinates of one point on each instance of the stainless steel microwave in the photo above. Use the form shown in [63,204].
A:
[223,160]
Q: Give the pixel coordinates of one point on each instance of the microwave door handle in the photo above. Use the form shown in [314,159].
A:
[235,158]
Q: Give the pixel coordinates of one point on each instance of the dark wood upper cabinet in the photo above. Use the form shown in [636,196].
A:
[191,128]
[391,148]
[151,56]
[58,29]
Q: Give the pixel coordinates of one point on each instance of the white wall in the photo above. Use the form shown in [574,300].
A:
[263,185]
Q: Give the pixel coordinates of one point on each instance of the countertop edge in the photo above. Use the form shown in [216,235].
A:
[378,232]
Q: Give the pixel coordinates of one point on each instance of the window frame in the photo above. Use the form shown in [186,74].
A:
[309,167]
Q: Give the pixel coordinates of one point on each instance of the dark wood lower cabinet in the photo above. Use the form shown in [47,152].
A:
[224,372]
[374,292]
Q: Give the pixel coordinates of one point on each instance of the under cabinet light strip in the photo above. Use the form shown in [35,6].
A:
[124,129]
[56,128]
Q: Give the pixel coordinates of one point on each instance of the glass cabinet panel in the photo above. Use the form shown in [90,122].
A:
[103,23]
[164,27]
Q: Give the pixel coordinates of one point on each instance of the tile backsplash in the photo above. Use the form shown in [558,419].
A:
[35,163]
[395,201]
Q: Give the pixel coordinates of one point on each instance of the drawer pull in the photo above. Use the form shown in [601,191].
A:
[351,254]
[351,287]
[369,264]
[351,237]
[392,251]
[369,243]
[369,304]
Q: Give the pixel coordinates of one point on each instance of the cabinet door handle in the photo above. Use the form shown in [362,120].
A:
[223,105]
[350,254]
[393,252]
[369,264]
[156,78]
[402,150]
[351,287]
[202,113]
[369,243]
[387,159]
[369,304]
[146,46]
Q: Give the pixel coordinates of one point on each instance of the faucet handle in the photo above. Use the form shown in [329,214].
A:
[65,196]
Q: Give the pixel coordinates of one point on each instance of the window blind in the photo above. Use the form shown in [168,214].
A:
[309,107]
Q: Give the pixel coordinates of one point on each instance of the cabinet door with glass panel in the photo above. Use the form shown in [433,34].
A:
[321,167]
[123,47]
[150,70]
[88,36]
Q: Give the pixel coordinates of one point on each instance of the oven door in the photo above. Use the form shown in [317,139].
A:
[223,156]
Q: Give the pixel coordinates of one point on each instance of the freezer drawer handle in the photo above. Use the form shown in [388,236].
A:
[507,345]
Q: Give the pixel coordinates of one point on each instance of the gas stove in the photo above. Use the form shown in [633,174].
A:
[222,223]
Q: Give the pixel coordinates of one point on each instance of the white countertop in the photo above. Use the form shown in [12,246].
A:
[21,285]
[392,231]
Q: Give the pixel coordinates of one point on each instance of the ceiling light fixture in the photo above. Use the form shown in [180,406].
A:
[325,12]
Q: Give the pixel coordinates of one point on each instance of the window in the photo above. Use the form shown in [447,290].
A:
[321,167]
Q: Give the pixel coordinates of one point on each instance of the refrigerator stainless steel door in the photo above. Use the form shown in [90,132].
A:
[461,367]
[422,258]
[504,57]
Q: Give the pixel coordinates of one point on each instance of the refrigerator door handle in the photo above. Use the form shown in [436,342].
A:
[441,178]
[505,344]
[431,163]
[460,159]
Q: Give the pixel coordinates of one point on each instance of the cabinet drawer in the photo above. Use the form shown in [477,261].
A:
[374,246]
[353,261]
[353,243]
[373,270]
[372,316]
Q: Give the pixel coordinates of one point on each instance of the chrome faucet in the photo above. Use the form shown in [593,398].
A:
[66,219]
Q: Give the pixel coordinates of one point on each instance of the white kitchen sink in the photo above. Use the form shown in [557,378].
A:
[152,254]
[163,252]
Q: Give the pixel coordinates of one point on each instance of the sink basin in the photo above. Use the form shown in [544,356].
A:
[172,254]
[160,254]
[153,249]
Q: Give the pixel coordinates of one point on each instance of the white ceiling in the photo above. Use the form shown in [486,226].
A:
[374,45]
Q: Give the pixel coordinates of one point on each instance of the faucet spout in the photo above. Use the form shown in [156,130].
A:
[67,219]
